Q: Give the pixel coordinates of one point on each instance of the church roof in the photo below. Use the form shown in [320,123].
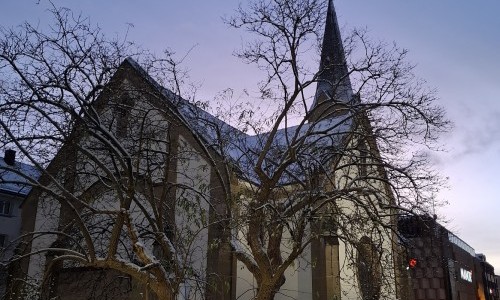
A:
[319,133]
[242,149]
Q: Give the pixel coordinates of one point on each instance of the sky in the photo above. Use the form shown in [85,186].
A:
[454,43]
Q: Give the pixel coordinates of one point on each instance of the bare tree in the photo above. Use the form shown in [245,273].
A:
[351,163]
[113,168]
[124,162]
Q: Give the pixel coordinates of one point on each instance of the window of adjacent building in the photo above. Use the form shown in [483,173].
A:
[4,207]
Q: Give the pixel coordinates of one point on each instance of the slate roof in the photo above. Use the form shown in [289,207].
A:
[242,150]
[313,143]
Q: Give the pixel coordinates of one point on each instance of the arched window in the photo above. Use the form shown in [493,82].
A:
[369,269]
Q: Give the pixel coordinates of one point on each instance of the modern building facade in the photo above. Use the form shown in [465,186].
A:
[489,282]
[444,266]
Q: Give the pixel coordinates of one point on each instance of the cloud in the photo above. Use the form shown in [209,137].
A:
[475,135]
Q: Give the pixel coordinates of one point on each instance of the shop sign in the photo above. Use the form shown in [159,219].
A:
[466,275]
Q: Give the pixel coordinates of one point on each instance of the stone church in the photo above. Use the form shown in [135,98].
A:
[152,188]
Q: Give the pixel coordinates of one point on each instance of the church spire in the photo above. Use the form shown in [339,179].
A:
[334,88]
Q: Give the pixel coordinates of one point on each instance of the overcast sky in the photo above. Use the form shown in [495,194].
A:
[455,44]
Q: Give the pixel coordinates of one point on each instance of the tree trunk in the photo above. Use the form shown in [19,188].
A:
[160,292]
[266,292]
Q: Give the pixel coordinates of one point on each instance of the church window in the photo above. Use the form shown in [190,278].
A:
[369,269]
[123,109]
[363,158]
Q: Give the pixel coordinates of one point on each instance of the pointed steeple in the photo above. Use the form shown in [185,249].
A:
[334,88]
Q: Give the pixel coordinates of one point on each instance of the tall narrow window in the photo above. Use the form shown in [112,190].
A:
[4,207]
[363,155]
[369,269]
[123,109]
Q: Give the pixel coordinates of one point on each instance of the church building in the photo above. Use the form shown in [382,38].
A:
[151,188]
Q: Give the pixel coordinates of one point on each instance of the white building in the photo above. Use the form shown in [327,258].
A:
[13,190]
